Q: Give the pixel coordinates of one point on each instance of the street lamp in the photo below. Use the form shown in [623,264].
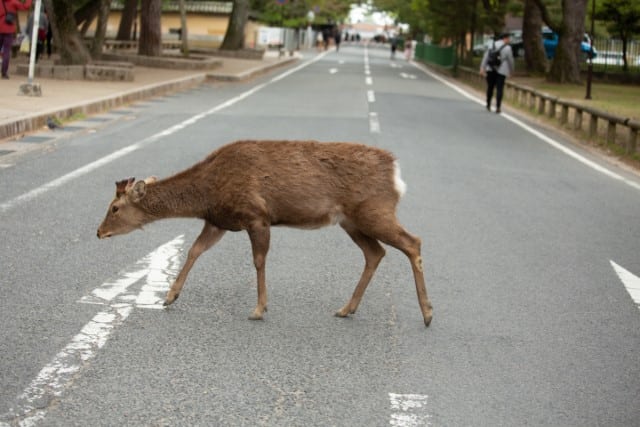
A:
[590,65]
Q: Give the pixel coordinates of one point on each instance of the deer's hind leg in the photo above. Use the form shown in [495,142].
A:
[373,254]
[384,226]
[259,234]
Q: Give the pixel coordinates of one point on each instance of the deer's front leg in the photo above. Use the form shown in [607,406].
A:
[207,238]
[260,235]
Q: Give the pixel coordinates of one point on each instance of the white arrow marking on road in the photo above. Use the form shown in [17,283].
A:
[31,406]
[631,282]
[407,410]
[333,70]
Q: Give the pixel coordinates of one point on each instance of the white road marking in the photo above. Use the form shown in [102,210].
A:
[118,301]
[368,80]
[374,124]
[408,410]
[555,144]
[408,76]
[333,70]
[371,96]
[631,282]
[59,182]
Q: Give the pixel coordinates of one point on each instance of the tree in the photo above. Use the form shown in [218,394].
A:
[127,19]
[565,67]
[150,43]
[234,37]
[101,28]
[65,33]
[534,56]
[623,17]
[184,32]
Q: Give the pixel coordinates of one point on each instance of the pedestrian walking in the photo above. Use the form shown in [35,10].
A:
[337,38]
[8,24]
[408,49]
[497,64]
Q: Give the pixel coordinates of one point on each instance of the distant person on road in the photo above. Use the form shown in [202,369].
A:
[337,38]
[394,47]
[497,64]
[408,49]
[326,35]
[8,22]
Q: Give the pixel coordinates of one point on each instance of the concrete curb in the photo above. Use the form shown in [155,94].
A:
[33,122]
[245,75]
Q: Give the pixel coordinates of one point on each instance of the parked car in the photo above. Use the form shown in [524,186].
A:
[550,42]
[515,41]
[608,57]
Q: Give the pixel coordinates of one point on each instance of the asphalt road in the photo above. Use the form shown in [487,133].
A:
[530,255]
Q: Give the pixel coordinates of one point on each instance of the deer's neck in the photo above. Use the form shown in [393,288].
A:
[174,198]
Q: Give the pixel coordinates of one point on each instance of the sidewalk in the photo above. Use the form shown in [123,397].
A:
[21,114]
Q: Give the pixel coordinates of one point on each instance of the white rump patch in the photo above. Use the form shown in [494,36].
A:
[398,183]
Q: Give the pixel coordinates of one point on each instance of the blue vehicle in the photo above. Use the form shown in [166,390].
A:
[550,42]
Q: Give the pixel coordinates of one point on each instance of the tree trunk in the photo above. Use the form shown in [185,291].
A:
[86,15]
[234,37]
[184,32]
[534,56]
[566,63]
[101,28]
[65,33]
[129,15]
[150,29]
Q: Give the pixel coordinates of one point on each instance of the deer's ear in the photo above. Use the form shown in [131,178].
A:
[138,191]
[150,179]
[123,186]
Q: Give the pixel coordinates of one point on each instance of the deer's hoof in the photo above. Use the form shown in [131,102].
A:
[170,299]
[344,312]
[257,313]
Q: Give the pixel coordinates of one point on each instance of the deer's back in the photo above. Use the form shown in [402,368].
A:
[300,183]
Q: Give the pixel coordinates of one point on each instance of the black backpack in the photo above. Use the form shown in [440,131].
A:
[494,59]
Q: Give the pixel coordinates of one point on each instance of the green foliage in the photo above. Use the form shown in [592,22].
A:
[293,13]
[622,17]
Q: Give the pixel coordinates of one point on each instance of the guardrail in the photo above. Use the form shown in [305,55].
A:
[569,113]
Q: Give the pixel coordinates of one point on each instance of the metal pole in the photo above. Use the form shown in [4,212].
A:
[590,65]
[34,40]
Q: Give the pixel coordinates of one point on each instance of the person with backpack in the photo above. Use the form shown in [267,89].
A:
[497,64]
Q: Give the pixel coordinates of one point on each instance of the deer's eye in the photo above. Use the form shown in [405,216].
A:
[114,209]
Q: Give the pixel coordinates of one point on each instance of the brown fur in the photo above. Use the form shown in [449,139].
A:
[253,185]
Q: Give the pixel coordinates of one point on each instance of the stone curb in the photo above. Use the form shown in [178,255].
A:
[245,75]
[33,122]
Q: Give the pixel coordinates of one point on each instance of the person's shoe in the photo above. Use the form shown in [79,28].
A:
[488,107]
[497,111]
[5,76]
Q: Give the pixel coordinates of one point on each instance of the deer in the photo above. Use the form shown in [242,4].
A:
[253,185]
